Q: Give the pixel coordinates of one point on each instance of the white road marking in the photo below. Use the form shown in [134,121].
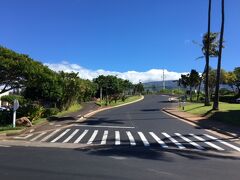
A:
[23,137]
[96,126]
[50,135]
[104,138]
[38,136]
[208,143]
[61,135]
[90,141]
[117,138]
[190,141]
[158,140]
[80,137]
[71,136]
[179,145]
[223,142]
[131,138]
[143,138]
[4,146]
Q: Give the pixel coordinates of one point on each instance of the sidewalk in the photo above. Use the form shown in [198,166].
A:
[205,122]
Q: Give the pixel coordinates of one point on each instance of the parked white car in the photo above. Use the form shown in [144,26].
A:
[238,100]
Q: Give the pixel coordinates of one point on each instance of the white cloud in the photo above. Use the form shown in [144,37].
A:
[133,76]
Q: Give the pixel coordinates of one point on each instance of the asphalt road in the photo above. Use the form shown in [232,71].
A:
[138,141]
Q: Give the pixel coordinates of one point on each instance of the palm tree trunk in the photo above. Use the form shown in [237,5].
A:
[216,98]
[207,102]
[200,83]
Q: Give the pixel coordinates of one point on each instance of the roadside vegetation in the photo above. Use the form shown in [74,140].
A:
[42,92]
[229,113]
[221,96]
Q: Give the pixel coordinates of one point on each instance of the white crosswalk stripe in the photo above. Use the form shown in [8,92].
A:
[81,136]
[190,141]
[50,135]
[208,143]
[223,142]
[60,136]
[65,136]
[23,137]
[71,136]
[104,138]
[38,136]
[159,141]
[131,138]
[179,145]
[90,141]
[143,138]
[117,138]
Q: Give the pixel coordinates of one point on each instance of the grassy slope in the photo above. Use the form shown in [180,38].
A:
[9,129]
[229,113]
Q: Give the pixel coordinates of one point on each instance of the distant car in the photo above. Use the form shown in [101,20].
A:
[173,99]
[238,100]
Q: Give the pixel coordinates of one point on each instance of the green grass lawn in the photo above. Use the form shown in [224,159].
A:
[9,129]
[119,102]
[229,113]
[72,108]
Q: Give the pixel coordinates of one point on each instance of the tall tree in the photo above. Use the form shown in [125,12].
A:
[216,98]
[207,101]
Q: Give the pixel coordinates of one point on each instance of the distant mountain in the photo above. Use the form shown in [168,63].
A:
[158,85]
[171,84]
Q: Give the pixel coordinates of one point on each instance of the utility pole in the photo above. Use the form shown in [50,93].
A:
[163,80]
[101,96]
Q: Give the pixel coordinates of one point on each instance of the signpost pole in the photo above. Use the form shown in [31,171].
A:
[15,107]
[14,119]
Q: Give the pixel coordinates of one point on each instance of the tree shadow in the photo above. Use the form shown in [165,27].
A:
[149,110]
[64,118]
[153,152]
[104,120]
[228,121]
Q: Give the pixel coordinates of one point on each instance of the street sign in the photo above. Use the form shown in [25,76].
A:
[15,105]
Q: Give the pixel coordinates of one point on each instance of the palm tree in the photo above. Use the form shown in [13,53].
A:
[207,101]
[216,98]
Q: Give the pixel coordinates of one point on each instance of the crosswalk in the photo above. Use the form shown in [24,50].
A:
[119,137]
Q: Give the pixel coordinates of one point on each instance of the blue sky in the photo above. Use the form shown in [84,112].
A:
[117,35]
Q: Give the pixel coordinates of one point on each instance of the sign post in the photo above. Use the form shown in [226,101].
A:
[15,107]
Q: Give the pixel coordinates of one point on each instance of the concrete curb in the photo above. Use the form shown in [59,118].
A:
[205,127]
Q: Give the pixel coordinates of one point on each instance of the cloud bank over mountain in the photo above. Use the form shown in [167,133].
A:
[133,76]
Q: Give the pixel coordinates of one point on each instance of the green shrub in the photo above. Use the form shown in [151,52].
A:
[10,99]
[6,117]
[50,112]
[229,99]
[32,111]
[224,91]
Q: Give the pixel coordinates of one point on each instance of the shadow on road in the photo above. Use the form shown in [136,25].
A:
[155,152]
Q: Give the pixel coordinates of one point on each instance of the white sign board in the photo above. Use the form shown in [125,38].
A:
[15,105]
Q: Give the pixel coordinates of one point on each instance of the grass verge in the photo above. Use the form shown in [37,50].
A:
[73,108]
[10,130]
[119,102]
[228,113]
